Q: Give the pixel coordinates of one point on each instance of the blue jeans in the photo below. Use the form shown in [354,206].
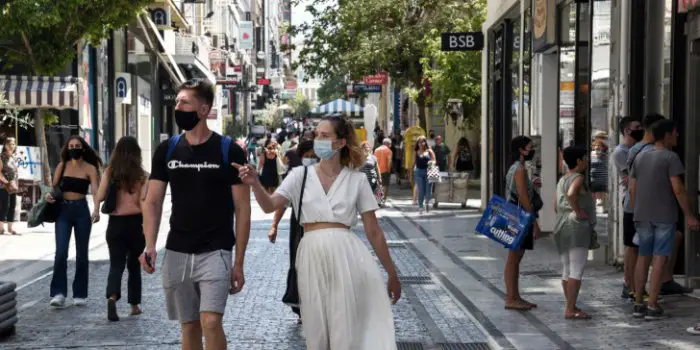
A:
[73,215]
[655,238]
[420,177]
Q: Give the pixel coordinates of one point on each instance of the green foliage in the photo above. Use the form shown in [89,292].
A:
[332,87]
[301,106]
[234,128]
[401,37]
[42,34]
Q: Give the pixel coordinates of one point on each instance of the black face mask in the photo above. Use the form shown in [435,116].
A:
[186,120]
[637,135]
[530,155]
[75,153]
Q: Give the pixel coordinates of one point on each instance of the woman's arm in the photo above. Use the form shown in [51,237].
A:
[375,235]
[268,202]
[101,192]
[2,177]
[521,187]
[94,186]
[432,154]
[57,174]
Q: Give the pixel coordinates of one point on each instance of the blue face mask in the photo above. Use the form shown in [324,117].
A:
[324,148]
[308,161]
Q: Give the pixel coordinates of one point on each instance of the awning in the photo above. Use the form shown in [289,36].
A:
[338,106]
[40,91]
[168,61]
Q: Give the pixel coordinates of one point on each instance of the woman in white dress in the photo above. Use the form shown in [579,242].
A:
[344,304]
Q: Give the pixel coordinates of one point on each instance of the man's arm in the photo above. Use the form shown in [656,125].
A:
[152,211]
[241,196]
[681,195]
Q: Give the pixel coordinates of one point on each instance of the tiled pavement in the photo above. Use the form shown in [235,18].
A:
[471,267]
[426,317]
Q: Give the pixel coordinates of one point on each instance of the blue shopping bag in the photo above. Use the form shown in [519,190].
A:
[504,222]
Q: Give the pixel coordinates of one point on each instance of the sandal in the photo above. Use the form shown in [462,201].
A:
[2,232]
[532,306]
[519,305]
[579,315]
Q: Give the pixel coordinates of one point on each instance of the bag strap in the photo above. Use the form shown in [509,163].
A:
[630,164]
[301,197]
[172,143]
[225,146]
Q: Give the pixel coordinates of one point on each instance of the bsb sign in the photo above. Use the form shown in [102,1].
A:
[468,41]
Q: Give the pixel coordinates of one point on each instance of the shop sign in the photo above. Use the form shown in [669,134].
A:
[227,84]
[544,24]
[290,85]
[160,17]
[169,95]
[366,88]
[263,81]
[245,28]
[468,41]
[377,79]
[686,5]
[122,89]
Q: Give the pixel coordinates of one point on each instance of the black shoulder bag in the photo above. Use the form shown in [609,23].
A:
[110,202]
[291,295]
[53,210]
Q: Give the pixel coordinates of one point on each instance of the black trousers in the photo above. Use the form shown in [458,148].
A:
[8,203]
[126,242]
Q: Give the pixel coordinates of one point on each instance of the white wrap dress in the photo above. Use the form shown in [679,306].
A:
[344,301]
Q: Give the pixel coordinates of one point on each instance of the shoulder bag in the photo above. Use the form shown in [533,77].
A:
[291,295]
[110,201]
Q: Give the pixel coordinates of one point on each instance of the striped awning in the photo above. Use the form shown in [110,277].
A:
[338,106]
[40,91]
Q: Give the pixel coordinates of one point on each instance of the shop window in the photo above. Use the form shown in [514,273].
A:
[515,78]
[668,33]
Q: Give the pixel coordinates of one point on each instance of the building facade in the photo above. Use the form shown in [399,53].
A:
[564,71]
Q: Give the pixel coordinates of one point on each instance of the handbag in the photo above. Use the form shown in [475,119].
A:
[291,294]
[536,200]
[433,173]
[505,222]
[110,202]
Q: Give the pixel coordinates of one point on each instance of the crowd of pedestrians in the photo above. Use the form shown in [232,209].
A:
[650,178]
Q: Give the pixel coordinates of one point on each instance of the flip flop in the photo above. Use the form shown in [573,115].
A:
[136,313]
[14,233]
[532,306]
[579,315]
[519,306]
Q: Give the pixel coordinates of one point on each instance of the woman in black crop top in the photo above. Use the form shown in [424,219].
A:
[423,156]
[77,171]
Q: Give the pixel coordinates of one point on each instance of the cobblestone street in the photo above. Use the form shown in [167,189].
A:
[427,317]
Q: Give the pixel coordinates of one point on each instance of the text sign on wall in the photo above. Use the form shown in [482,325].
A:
[467,41]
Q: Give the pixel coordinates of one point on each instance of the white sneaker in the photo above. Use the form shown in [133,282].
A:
[79,301]
[58,301]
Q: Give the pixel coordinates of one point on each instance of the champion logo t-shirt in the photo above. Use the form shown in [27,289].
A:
[200,185]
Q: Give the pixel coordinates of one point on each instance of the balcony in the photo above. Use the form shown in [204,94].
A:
[192,52]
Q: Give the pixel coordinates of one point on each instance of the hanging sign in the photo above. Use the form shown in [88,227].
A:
[245,28]
[122,88]
[468,41]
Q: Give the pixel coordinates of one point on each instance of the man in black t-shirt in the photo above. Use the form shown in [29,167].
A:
[199,272]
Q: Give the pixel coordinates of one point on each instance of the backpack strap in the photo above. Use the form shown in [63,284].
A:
[172,143]
[225,146]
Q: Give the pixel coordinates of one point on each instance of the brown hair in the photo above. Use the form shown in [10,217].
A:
[351,155]
[202,89]
[125,165]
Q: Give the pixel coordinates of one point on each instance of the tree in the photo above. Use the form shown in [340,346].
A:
[362,37]
[456,74]
[301,106]
[42,35]
[271,116]
[332,88]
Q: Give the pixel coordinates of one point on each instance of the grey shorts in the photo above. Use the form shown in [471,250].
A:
[195,283]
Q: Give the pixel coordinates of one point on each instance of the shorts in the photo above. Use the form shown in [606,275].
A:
[196,283]
[386,179]
[628,230]
[655,239]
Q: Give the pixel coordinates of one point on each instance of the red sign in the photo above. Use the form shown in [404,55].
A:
[291,85]
[377,79]
[237,68]
[263,81]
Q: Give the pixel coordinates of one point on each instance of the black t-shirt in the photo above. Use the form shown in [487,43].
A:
[200,185]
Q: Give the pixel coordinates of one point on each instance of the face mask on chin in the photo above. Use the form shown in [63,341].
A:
[308,161]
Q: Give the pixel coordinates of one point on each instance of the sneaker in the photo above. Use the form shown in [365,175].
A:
[694,330]
[640,310]
[58,301]
[626,292]
[79,301]
[654,313]
[674,288]
[633,297]
[420,211]
[112,310]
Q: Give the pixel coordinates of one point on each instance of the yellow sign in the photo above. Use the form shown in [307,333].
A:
[410,137]
[361,134]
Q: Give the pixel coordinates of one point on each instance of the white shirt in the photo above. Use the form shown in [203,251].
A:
[349,195]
